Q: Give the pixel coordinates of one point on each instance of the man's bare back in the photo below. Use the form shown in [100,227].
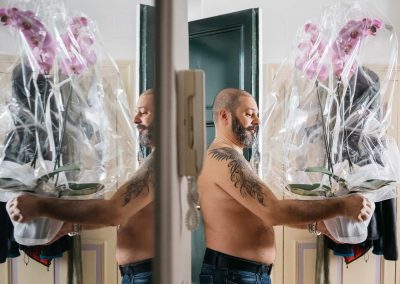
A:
[230,227]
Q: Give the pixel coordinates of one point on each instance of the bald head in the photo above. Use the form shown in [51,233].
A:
[148,92]
[227,99]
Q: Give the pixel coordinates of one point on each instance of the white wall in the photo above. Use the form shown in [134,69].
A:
[117,21]
[281,18]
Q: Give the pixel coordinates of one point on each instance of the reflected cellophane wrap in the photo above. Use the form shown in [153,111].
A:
[327,116]
[66,129]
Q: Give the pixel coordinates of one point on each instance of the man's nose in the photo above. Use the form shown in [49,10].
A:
[137,119]
[256,121]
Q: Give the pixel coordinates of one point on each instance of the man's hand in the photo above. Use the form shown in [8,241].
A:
[320,226]
[357,207]
[24,208]
[65,229]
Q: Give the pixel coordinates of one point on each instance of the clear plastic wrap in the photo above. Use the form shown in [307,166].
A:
[66,127]
[327,116]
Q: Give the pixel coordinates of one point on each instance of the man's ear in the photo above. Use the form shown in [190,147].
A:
[224,116]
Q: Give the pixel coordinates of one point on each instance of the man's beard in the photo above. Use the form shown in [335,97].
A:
[145,136]
[246,138]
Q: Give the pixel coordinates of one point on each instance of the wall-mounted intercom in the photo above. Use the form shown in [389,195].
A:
[191,135]
[191,122]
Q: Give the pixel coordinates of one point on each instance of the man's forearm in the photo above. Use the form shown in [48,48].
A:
[86,212]
[298,226]
[295,212]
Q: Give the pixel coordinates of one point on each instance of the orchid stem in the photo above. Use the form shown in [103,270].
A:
[57,161]
[327,148]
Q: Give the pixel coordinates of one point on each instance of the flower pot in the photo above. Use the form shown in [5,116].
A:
[39,231]
[347,231]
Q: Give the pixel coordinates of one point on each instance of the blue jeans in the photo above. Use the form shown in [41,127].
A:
[137,273]
[212,275]
[140,278]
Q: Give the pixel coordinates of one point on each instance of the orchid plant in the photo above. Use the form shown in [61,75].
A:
[315,55]
[78,42]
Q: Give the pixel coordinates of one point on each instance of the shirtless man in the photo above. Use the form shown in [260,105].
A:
[131,208]
[239,210]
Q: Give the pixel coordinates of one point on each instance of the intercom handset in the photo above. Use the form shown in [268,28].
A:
[191,134]
[191,124]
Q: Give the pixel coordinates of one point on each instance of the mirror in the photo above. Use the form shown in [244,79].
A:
[105,128]
[276,24]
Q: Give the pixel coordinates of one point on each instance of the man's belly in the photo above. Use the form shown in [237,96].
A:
[135,242]
[255,243]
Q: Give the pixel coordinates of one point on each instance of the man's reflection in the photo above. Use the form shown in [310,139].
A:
[130,208]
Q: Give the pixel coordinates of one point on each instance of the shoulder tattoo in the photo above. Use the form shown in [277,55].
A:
[141,181]
[240,173]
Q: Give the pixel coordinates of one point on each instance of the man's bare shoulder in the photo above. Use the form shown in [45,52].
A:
[217,160]
[230,171]
[226,157]
[141,182]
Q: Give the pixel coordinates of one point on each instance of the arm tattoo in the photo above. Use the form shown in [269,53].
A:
[240,172]
[141,181]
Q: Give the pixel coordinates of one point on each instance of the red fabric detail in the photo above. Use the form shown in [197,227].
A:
[34,253]
[359,251]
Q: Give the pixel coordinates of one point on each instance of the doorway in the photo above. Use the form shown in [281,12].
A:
[226,48]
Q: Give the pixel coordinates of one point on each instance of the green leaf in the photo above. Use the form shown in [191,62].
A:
[304,186]
[326,172]
[318,170]
[373,184]
[77,189]
[309,189]
[65,168]
[308,192]
[9,183]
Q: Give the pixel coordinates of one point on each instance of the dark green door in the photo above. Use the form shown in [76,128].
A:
[147,56]
[147,45]
[226,48]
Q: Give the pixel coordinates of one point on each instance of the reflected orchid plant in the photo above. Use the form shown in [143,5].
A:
[78,42]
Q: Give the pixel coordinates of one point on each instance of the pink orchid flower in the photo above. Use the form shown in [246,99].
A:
[343,49]
[79,43]
[42,45]
[348,42]
[310,55]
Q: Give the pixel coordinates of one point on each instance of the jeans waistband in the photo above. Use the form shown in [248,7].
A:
[225,261]
[136,267]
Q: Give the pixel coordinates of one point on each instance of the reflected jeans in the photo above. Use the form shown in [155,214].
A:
[140,278]
[137,273]
[212,275]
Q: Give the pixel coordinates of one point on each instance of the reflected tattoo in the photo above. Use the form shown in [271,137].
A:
[141,181]
[240,173]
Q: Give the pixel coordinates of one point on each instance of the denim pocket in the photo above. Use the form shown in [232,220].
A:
[206,279]
[142,278]
[242,277]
